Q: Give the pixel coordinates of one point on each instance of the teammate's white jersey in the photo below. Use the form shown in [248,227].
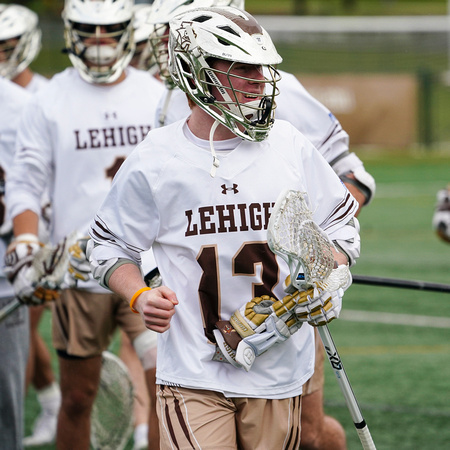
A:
[12,100]
[294,104]
[209,237]
[74,136]
[37,82]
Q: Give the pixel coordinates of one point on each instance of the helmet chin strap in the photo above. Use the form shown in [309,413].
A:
[216,161]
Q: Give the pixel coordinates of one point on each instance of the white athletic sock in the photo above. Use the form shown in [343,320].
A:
[141,436]
[50,398]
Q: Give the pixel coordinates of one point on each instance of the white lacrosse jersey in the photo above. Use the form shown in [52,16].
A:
[73,137]
[294,104]
[12,100]
[209,237]
[37,82]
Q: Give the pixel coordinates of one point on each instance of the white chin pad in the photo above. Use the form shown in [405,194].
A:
[145,345]
[101,55]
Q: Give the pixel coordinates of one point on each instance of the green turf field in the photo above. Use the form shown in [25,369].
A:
[399,372]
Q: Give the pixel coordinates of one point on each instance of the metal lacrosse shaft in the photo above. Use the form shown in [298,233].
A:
[293,235]
[400,283]
[338,368]
[9,309]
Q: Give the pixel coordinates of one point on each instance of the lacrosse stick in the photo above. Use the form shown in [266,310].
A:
[9,309]
[49,267]
[293,235]
[401,283]
[112,413]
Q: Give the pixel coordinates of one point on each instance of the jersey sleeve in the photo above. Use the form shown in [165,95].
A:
[127,211]
[312,118]
[32,167]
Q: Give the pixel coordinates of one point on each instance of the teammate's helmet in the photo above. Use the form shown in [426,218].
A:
[99,37]
[143,57]
[198,39]
[20,39]
[162,12]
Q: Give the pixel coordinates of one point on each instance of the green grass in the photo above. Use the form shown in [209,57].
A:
[399,373]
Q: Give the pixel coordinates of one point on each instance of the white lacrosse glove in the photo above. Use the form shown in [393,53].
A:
[321,307]
[23,273]
[257,326]
[79,268]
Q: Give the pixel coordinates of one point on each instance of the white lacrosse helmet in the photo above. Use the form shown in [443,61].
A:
[99,37]
[20,39]
[143,57]
[232,35]
[162,12]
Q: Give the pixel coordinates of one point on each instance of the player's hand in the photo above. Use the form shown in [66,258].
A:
[257,326]
[157,307]
[79,268]
[21,272]
[321,307]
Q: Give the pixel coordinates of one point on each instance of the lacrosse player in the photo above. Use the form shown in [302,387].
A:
[14,330]
[202,190]
[73,137]
[143,57]
[20,43]
[319,125]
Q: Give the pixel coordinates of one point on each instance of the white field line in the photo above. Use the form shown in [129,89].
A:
[405,190]
[395,319]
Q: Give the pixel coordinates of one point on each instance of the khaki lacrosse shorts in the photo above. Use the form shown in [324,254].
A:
[199,419]
[83,323]
[316,382]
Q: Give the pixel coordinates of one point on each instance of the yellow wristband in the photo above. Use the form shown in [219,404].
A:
[136,295]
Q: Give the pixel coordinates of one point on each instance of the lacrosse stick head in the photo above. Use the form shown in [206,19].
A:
[112,413]
[294,236]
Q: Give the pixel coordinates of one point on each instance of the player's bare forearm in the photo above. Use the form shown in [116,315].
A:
[339,257]
[156,306]
[26,222]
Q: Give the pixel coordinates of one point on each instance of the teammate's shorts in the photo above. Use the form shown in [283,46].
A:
[83,322]
[317,380]
[199,419]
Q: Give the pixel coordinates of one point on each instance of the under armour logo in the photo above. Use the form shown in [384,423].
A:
[225,189]
[112,115]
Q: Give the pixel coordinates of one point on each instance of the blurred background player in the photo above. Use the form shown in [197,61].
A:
[14,330]
[143,57]
[74,136]
[441,216]
[318,124]
[20,43]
